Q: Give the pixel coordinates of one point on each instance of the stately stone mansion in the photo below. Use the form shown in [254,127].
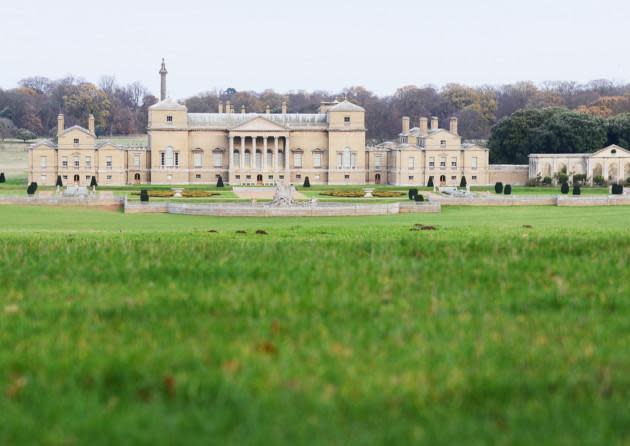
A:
[328,147]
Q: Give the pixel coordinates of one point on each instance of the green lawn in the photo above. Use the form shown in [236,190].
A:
[148,329]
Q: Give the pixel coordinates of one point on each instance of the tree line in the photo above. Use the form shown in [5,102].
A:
[122,109]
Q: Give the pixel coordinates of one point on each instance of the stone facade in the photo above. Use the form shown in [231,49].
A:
[78,156]
[612,164]
[424,152]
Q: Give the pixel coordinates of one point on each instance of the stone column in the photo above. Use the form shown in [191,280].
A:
[242,156]
[231,154]
[264,157]
[252,159]
[287,149]
[275,153]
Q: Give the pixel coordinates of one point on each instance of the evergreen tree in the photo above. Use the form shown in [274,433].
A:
[413,193]
[564,188]
[307,183]
[430,183]
[498,187]
[463,182]
[220,181]
[2,178]
[576,190]
[93,182]
[59,183]
[507,190]
[144,195]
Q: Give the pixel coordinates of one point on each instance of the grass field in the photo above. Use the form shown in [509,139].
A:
[148,329]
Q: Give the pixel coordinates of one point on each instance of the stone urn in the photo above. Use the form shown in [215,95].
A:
[178,192]
[368,192]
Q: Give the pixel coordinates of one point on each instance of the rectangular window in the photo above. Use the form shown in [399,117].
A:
[76,162]
[217,159]
[88,178]
[474,177]
[197,160]
[109,177]
[270,177]
[76,141]
[176,159]
[298,177]
[442,163]
[238,177]
[346,177]
[411,178]
[136,161]
[353,160]
[453,162]
[317,159]
[43,177]
[162,158]
[346,120]
[453,178]
[64,162]
[431,163]
[169,119]
[297,160]
[43,162]
[378,160]
[474,162]
[339,160]
[88,162]
[282,177]
[65,177]
[411,163]
[108,162]
[198,176]
[443,143]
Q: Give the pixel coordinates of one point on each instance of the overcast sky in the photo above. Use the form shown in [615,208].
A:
[325,44]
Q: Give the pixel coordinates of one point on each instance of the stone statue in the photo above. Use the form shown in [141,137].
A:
[283,195]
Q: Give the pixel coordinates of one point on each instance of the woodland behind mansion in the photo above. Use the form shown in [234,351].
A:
[328,147]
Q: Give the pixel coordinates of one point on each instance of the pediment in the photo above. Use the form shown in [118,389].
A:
[608,152]
[259,124]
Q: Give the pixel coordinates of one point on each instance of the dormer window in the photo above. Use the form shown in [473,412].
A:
[169,119]
[346,120]
[76,141]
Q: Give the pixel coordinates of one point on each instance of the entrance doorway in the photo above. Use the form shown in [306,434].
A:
[259,179]
[442,180]
[76,180]
[136,178]
[377,178]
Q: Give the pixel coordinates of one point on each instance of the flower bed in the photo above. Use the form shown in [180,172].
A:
[343,193]
[387,194]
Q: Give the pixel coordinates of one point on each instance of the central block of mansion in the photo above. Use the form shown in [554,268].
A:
[243,148]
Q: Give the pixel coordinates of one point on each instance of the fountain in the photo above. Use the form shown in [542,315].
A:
[283,196]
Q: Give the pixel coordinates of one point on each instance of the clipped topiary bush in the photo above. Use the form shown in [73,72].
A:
[144,195]
[498,187]
[31,189]
[507,190]
[576,190]
[419,197]
[617,189]
[307,182]
[463,182]
[93,182]
[599,180]
[564,188]
[2,178]
[563,178]
[59,182]
[546,181]
[220,181]
[579,178]
[413,193]
[430,183]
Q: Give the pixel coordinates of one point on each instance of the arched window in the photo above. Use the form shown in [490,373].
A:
[237,158]
[169,157]
[281,159]
[345,160]
[248,158]
[217,158]
[269,158]
[258,159]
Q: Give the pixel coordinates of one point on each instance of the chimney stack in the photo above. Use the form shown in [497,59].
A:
[405,124]
[424,126]
[268,110]
[91,126]
[434,123]
[220,106]
[453,127]
[284,107]
[60,125]
[243,109]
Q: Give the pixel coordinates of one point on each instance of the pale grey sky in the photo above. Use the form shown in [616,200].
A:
[324,44]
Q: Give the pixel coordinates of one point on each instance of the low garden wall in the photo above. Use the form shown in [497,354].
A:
[109,202]
[537,200]
[248,210]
